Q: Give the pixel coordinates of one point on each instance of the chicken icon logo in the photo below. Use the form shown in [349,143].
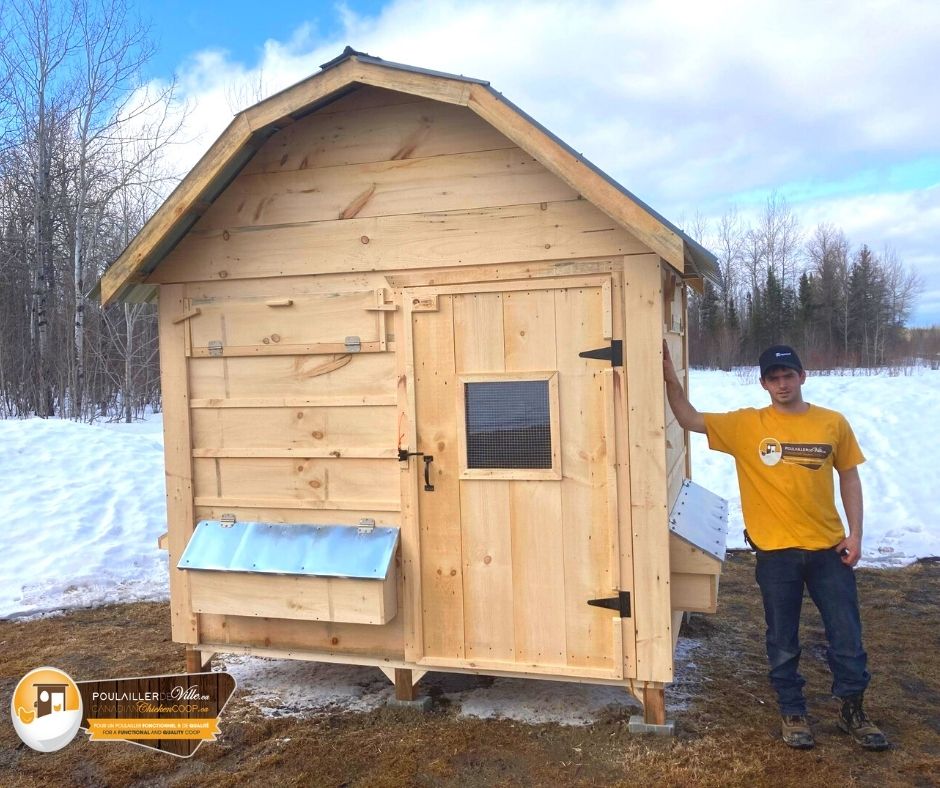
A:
[46,709]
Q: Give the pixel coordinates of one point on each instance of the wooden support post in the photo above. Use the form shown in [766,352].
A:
[193,660]
[404,686]
[654,705]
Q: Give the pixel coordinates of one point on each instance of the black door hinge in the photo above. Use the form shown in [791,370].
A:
[620,603]
[613,353]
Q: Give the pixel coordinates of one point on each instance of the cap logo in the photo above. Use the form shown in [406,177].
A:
[778,355]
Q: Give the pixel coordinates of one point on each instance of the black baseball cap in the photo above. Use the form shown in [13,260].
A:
[779,356]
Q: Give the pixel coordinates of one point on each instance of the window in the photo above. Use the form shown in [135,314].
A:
[509,426]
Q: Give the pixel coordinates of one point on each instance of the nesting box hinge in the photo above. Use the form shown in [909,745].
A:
[613,353]
[366,525]
[620,603]
[227,520]
[215,347]
[353,345]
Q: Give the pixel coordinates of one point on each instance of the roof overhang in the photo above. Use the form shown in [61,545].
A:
[126,278]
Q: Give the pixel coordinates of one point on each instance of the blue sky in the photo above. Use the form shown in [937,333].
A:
[695,107]
[180,29]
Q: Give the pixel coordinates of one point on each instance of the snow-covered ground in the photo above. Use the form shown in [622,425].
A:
[83,506]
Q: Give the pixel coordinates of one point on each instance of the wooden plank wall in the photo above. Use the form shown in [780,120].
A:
[413,183]
[675,334]
[375,188]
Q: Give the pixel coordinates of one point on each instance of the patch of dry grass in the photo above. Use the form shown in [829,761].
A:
[727,737]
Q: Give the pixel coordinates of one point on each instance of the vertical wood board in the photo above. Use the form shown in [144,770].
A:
[645,413]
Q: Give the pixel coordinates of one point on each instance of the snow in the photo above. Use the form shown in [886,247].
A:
[83,506]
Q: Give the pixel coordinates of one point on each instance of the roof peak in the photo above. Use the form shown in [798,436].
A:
[347,53]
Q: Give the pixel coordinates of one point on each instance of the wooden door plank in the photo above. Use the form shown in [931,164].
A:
[538,580]
[584,513]
[530,330]
[484,504]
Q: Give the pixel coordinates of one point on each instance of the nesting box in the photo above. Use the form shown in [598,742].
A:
[413,397]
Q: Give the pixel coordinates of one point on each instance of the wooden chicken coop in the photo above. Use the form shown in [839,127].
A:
[411,352]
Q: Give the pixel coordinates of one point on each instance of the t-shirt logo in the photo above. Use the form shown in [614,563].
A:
[808,455]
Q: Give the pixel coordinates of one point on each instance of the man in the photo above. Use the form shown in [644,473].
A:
[785,455]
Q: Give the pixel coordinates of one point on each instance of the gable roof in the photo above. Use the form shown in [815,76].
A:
[250,129]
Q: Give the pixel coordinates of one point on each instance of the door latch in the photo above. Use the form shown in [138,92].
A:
[404,454]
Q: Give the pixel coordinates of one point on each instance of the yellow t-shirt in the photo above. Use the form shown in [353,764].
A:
[785,468]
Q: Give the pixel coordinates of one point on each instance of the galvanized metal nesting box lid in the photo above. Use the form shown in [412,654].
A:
[700,518]
[273,548]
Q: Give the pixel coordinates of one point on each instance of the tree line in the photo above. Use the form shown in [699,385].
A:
[82,167]
[840,306]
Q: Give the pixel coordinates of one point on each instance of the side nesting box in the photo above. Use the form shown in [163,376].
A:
[413,399]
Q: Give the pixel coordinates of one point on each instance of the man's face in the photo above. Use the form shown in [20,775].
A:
[784,385]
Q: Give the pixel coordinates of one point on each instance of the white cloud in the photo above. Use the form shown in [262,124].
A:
[687,104]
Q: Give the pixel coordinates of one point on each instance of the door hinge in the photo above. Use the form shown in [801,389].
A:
[215,347]
[227,520]
[620,603]
[353,345]
[613,353]
[366,525]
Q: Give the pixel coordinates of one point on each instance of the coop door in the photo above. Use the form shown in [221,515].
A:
[520,528]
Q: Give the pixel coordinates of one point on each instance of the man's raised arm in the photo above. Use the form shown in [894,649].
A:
[686,415]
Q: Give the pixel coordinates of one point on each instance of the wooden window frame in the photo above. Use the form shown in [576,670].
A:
[517,474]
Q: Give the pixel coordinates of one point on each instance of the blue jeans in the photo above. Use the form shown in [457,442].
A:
[782,575]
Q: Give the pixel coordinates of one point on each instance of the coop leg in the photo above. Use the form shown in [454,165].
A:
[654,706]
[404,686]
[194,663]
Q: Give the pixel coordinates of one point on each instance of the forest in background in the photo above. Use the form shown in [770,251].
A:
[83,152]
[839,306]
[84,163]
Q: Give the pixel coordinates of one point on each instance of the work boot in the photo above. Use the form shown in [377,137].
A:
[796,732]
[854,721]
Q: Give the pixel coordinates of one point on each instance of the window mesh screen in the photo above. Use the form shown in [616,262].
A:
[508,424]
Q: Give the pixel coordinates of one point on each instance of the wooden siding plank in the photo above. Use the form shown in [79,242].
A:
[480,179]
[332,638]
[297,479]
[327,318]
[368,375]
[301,598]
[295,429]
[484,505]
[364,97]
[298,516]
[642,290]
[389,133]
[177,443]
[441,562]
[487,236]
[356,505]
